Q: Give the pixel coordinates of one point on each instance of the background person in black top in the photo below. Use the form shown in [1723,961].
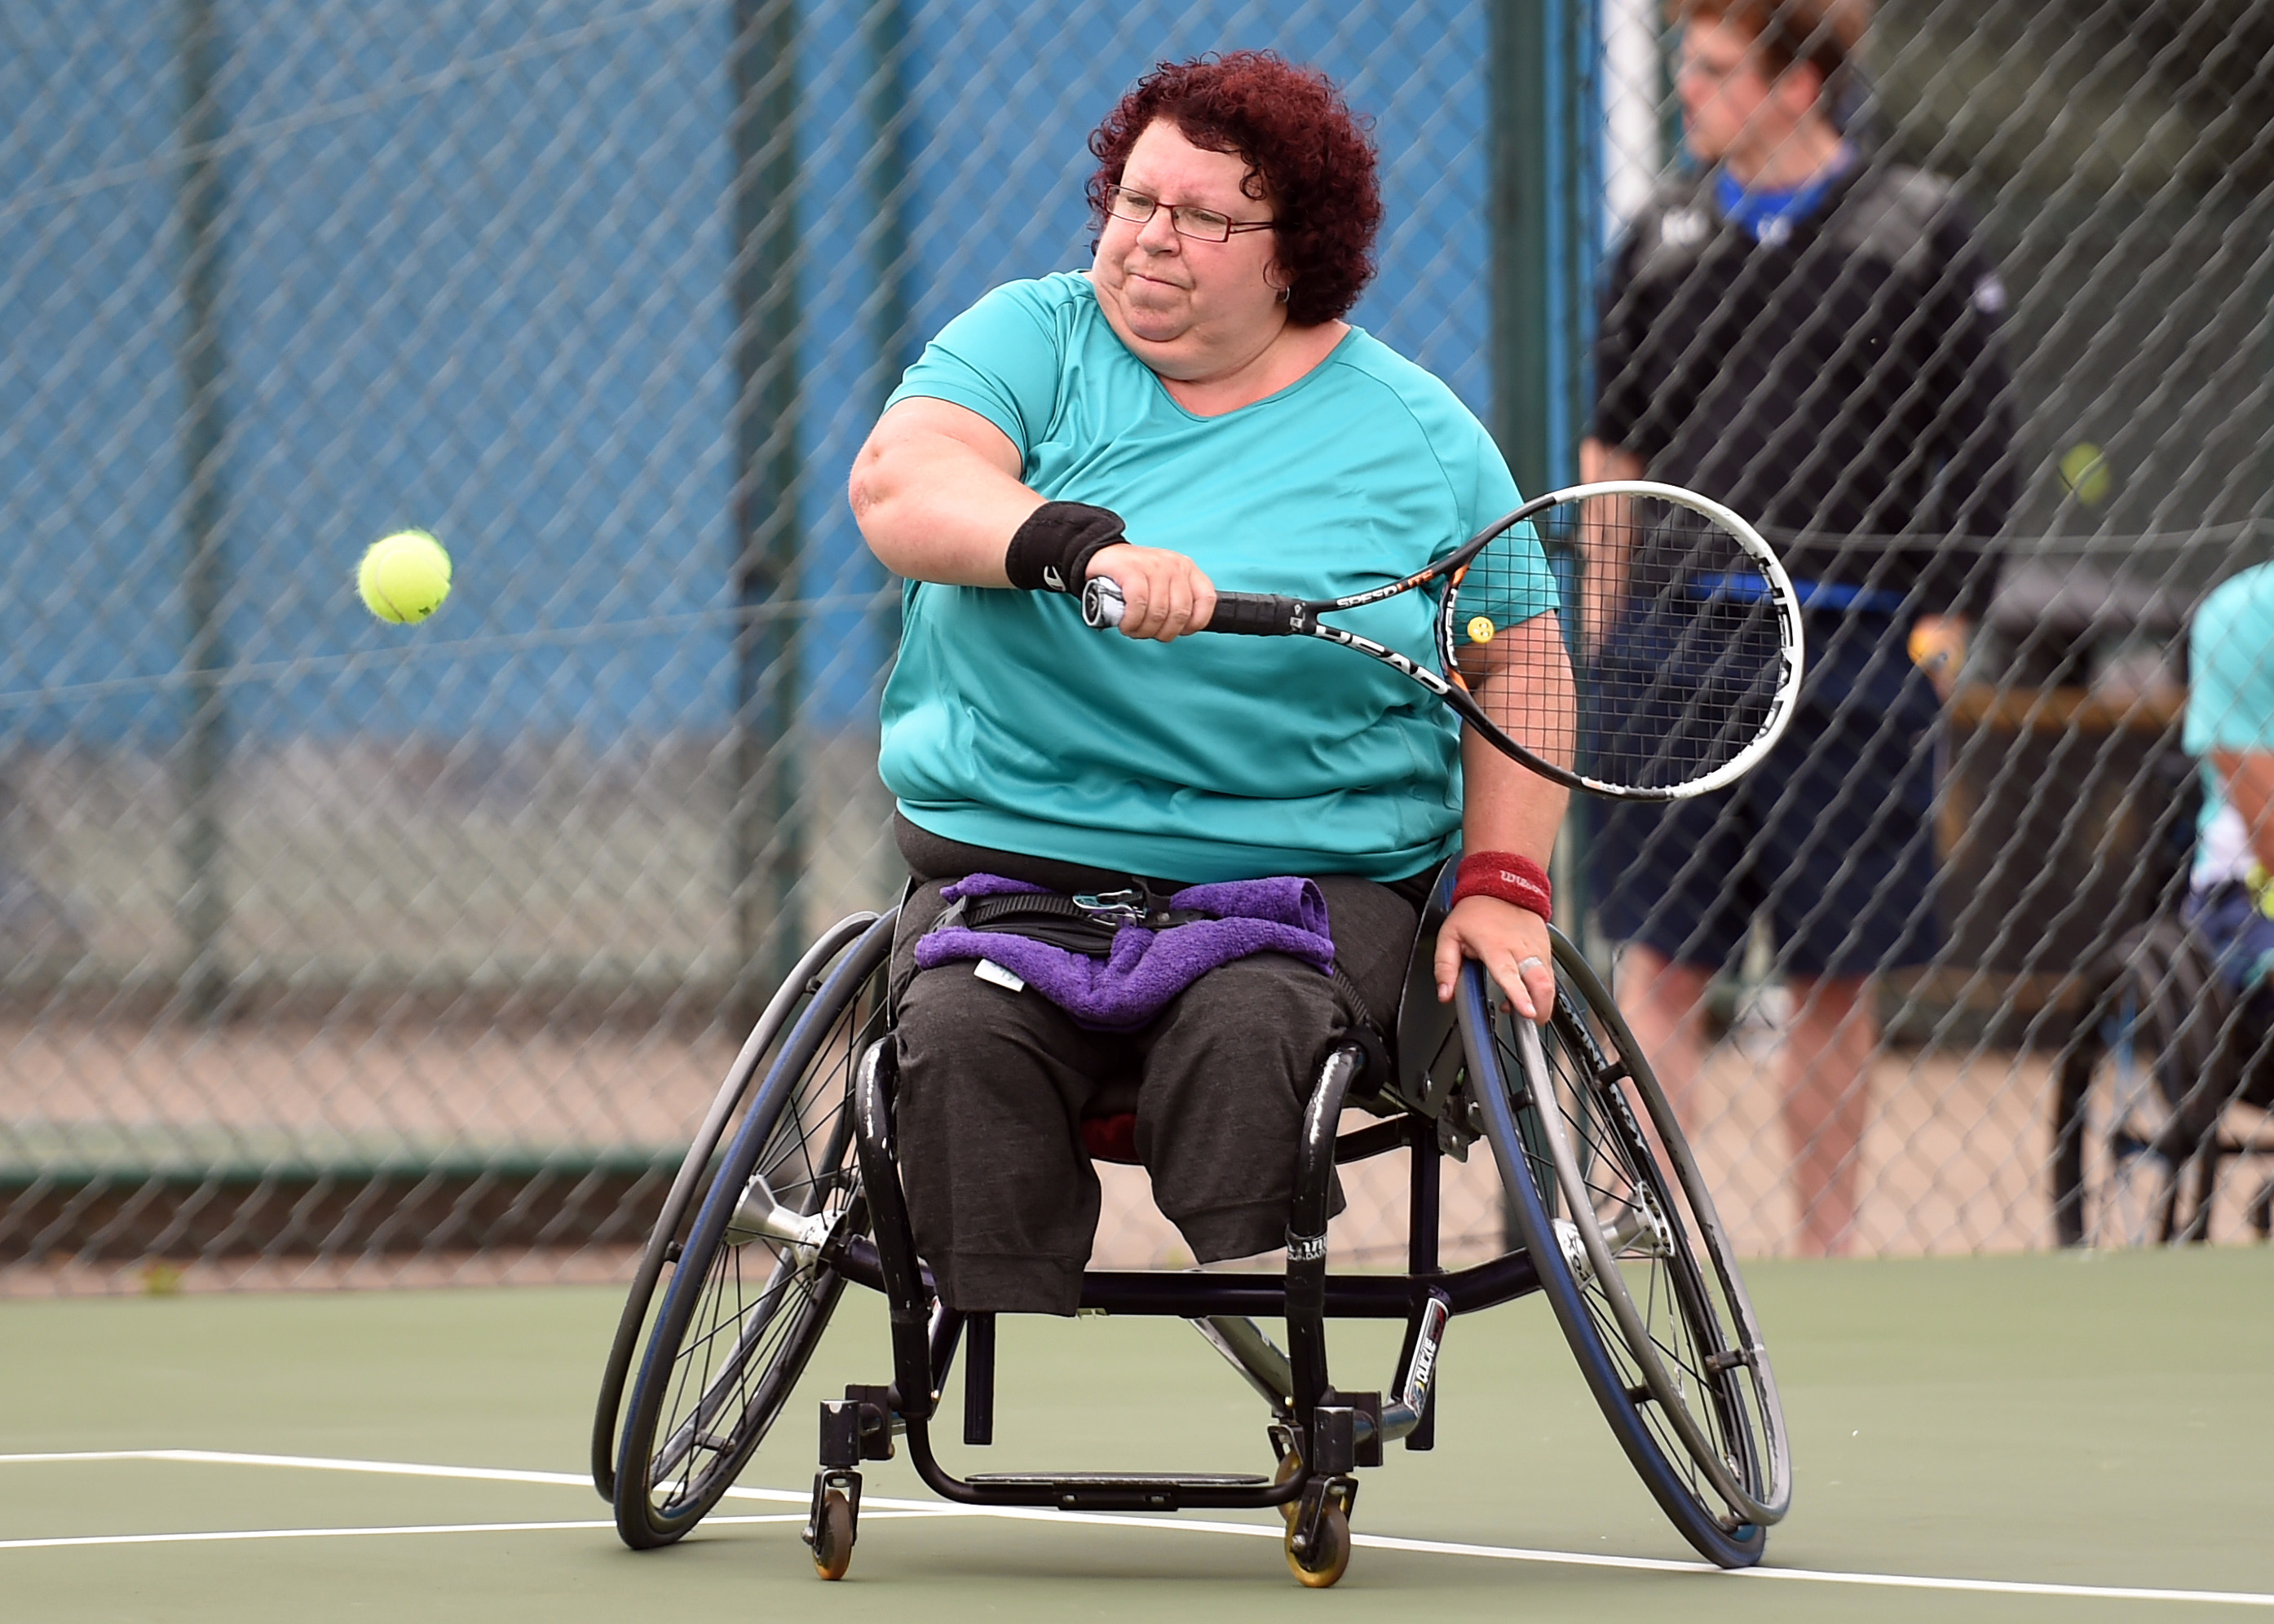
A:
[1813,339]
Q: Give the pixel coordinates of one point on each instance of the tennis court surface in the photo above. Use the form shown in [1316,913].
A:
[2072,1436]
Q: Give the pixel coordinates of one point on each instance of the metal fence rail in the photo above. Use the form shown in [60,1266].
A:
[329,950]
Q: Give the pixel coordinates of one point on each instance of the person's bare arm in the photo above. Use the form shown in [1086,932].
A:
[1506,806]
[937,494]
[2250,775]
[1606,538]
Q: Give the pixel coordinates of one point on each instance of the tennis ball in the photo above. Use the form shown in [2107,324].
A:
[404,578]
[2085,471]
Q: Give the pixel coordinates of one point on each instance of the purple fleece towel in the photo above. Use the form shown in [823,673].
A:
[1146,968]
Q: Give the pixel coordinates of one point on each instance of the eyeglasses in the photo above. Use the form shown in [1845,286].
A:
[1202,225]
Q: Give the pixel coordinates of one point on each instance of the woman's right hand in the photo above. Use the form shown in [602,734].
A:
[1165,593]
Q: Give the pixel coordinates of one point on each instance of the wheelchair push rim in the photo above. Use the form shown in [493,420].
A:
[743,1310]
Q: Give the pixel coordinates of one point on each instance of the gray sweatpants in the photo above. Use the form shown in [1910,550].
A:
[993,1085]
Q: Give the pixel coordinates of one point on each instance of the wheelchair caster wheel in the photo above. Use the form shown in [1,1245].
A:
[1329,1557]
[832,1536]
[1290,1467]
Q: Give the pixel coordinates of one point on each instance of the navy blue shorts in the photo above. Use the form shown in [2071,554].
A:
[1830,839]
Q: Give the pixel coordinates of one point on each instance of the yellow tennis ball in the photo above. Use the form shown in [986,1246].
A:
[404,578]
[2085,471]
[1481,629]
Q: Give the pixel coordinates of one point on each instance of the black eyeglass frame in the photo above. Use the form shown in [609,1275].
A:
[1178,216]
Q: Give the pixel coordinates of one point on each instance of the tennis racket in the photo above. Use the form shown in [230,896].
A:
[1676,662]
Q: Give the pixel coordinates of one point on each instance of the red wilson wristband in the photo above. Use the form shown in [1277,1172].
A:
[1509,877]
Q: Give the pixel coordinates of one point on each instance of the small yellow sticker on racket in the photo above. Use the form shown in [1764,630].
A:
[1481,628]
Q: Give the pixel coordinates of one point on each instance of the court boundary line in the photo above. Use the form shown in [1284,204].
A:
[225,1535]
[889,1507]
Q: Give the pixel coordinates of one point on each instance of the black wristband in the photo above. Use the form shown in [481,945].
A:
[1052,549]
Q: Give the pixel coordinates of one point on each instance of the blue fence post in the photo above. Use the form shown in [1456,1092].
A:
[202,907]
[1545,122]
[766,848]
[1545,142]
[888,165]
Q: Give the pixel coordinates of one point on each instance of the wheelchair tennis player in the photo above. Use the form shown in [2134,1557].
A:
[1192,411]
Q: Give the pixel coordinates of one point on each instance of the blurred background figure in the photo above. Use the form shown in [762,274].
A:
[2203,993]
[1810,336]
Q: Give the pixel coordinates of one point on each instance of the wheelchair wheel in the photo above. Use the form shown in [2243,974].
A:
[2137,1200]
[1632,1258]
[746,1304]
[758,1053]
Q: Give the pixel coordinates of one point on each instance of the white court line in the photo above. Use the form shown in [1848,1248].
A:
[888,1507]
[336,1533]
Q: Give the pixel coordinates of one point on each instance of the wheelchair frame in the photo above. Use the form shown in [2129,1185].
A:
[1715,1457]
[2136,990]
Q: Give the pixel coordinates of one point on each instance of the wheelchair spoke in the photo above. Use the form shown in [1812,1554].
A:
[742,1298]
[724,1364]
[731,1386]
[1647,1406]
[726,1378]
[693,1358]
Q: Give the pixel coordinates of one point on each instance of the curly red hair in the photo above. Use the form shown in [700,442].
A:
[1307,154]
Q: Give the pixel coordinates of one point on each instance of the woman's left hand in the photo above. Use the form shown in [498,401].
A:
[1511,943]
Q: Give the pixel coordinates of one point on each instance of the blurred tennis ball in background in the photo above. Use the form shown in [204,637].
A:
[2085,472]
[404,578]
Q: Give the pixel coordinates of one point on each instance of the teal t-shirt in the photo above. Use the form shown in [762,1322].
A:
[1008,722]
[2230,707]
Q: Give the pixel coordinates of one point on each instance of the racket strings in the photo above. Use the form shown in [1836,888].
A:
[1675,643]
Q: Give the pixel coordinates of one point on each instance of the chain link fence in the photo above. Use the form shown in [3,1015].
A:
[334,951]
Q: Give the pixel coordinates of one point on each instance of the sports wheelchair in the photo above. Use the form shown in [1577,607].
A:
[2180,1052]
[756,1245]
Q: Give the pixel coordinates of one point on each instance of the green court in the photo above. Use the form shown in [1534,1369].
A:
[2071,1436]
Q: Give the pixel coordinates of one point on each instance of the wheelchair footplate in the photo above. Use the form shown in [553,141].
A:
[1117,1490]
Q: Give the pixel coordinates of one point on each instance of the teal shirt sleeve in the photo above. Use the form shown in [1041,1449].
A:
[2230,683]
[1495,490]
[1510,581]
[1001,358]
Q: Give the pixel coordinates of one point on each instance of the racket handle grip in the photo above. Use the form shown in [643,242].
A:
[1252,614]
[1258,614]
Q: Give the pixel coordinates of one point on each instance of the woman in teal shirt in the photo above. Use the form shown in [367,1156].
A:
[1193,410]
